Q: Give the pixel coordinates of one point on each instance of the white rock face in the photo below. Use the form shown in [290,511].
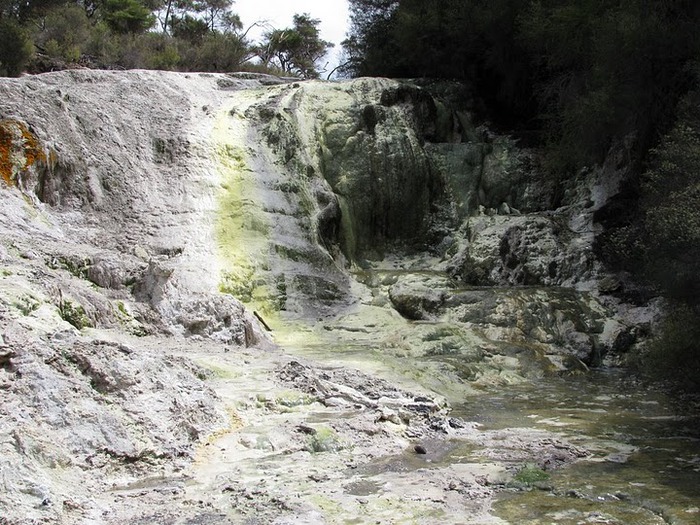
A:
[127,191]
[107,232]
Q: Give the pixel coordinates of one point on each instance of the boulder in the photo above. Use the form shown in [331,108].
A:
[418,296]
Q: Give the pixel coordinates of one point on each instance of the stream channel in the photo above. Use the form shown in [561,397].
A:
[642,463]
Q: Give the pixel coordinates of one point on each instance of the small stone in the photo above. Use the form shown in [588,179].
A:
[318,478]
[306,429]
[390,416]
[420,449]
[455,422]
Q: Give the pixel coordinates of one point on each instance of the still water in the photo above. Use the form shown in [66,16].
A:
[644,466]
[643,462]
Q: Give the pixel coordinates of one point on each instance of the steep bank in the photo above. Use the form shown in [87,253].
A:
[107,234]
[366,218]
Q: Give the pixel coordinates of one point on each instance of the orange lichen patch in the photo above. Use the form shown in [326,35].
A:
[6,140]
[19,149]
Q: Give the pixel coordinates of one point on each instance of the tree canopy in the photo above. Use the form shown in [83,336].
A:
[579,75]
[296,50]
[185,35]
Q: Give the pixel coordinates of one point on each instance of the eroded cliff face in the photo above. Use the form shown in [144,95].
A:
[141,210]
[356,182]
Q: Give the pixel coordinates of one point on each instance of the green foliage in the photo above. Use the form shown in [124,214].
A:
[189,29]
[195,35]
[674,354]
[531,474]
[16,48]
[578,76]
[473,41]
[64,33]
[670,205]
[296,50]
[608,70]
[26,304]
[216,14]
[127,16]
[103,44]
[161,52]
[369,43]
[74,313]
[219,52]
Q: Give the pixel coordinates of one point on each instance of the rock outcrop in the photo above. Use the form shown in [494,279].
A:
[142,210]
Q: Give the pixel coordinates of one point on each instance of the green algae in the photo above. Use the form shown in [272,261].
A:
[75,314]
[325,439]
[530,475]
[242,229]
[26,304]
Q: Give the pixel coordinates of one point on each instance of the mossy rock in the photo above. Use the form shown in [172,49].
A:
[294,399]
[74,314]
[325,439]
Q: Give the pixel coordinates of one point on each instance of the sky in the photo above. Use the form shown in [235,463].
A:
[279,13]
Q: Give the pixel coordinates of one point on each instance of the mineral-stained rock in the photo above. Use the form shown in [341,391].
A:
[140,208]
[417,297]
[522,250]
[73,405]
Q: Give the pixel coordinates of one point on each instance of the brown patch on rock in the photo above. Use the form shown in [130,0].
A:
[19,150]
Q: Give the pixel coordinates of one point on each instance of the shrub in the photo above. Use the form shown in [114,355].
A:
[16,48]
[530,474]
[160,51]
[64,33]
[75,314]
[218,52]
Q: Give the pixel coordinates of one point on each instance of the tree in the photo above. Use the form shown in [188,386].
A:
[127,16]
[295,50]
[64,33]
[670,205]
[576,76]
[215,12]
[473,41]
[15,48]
[188,28]
[369,43]
[220,52]
[605,70]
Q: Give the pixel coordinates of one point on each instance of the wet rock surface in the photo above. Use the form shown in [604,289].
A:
[160,232]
